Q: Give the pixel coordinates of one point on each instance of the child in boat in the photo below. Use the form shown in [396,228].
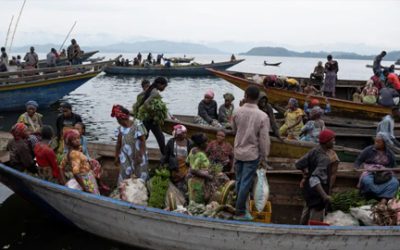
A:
[357,95]
[76,165]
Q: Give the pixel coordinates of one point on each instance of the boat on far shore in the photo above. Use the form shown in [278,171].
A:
[191,70]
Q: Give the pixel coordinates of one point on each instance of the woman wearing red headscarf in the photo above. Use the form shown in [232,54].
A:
[130,153]
[21,157]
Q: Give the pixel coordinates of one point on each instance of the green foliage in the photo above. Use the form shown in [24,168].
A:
[216,168]
[156,110]
[159,187]
[345,200]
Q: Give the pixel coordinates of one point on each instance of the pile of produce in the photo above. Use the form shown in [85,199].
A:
[155,110]
[158,186]
[345,200]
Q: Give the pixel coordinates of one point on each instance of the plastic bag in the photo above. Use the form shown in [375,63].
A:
[338,218]
[134,191]
[261,190]
[363,214]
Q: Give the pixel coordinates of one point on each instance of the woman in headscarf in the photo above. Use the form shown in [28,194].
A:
[225,112]
[199,170]
[207,111]
[331,69]
[21,157]
[379,184]
[293,121]
[130,153]
[370,93]
[312,128]
[31,118]
[75,164]
[176,152]
[220,151]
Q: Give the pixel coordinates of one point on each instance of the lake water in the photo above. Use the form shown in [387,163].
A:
[24,227]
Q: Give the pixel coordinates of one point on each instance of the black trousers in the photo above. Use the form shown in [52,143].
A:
[157,132]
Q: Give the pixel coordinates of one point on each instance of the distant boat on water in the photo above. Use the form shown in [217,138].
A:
[272,64]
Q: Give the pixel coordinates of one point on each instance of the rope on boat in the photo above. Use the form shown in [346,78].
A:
[16,25]
[69,33]
[8,32]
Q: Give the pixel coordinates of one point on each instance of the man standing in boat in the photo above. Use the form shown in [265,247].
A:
[74,53]
[376,67]
[319,167]
[251,149]
[31,59]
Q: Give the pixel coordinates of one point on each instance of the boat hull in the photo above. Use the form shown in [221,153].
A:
[44,92]
[199,70]
[65,61]
[157,229]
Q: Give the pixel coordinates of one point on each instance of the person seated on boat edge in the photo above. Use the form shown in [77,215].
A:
[370,93]
[31,59]
[293,121]
[313,127]
[219,151]
[233,58]
[331,70]
[168,64]
[3,67]
[4,56]
[207,111]
[251,149]
[31,118]
[136,61]
[199,170]
[65,121]
[388,97]
[159,57]
[76,167]
[51,58]
[131,153]
[21,157]
[309,89]
[318,74]
[46,159]
[126,63]
[139,98]
[386,127]
[376,66]
[153,104]
[225,111]
[150,58]
[176,153]
[381,185]
[356,97]
[392,80]
[319,167]
[309,104]
[74,53]
[272,81]
[292,84]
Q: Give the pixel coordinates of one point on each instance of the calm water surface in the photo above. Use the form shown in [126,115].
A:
[25,227]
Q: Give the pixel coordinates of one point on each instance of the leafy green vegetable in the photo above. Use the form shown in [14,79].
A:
[158,188]
[155,110]
[345,200]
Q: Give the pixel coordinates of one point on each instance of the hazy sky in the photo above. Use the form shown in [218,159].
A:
[316,25]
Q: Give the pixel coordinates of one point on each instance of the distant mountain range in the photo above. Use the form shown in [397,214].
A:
[154,46]
[279,51]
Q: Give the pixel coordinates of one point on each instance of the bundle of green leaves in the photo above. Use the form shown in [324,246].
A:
[155,110]
[343,201]
[158,188]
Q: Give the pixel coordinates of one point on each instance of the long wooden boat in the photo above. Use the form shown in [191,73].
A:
[160,70]
[272,64]
[339,107]
[152,228]
[45,88]
[279,148]
[64,61]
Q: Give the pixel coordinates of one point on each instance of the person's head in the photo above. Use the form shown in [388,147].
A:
[31,107]
[381,140]
[385,72]
[229,98]
[220,136]
[121,114]
[369,84]
[358,90]
[327,138]
[160,83]
[391,67]
[145,84]
[46,132]
[262,100]
[329,57]
[18,57]
[200,140]
[53,50]
[319,63]
[32,49]
[209,96]
[66,109]
[19,131]
[314,102]
[73,41]
[80,127]
[252,94]
[316,113]
[179,132]
[383,53]
[293,104]
[72,138]
[3,49]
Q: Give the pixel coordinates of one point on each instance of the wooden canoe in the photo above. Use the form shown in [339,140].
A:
[279,148]
[152,228]
[272,64]
[339,107]
[63,61]
[160,70]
